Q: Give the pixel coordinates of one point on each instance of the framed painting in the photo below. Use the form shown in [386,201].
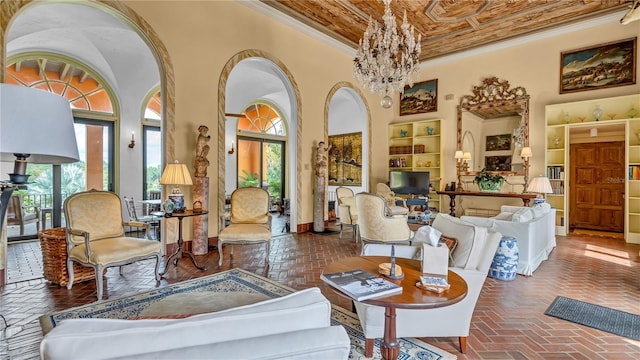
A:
[600,66]
[421,98]
[497,163]
[498,142]
[345,159]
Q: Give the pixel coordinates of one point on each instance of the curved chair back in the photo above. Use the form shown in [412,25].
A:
[375,226]
[97,212]
[342,192]
[249,205]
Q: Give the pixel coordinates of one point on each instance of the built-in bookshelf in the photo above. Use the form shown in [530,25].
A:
[561,119]
[416,146]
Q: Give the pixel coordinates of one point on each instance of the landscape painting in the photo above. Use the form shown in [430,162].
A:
[601,66]
[420,98]
[497,163]
[498,142]
[345,159]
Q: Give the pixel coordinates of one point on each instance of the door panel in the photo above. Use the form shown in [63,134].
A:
[597,189]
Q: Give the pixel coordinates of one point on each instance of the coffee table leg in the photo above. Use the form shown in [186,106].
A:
[390,348]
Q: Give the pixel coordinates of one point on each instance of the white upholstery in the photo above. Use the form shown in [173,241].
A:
[448,321]
[347,210]
[250,220]
[391,198]
[292,326]
[532,227]
[376,226]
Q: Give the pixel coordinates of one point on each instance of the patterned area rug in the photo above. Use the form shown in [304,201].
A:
[598,317]
[239,287]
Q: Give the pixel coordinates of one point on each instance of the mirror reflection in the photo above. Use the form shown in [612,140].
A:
[493,126]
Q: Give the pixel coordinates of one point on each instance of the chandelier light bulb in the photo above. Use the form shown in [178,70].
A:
[387,57]
[386,102]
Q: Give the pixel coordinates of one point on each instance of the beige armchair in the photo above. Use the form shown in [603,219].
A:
[477,247]
[391,198]
[347,210]
[250,220]
[96,237]
[16,214]
[376,226]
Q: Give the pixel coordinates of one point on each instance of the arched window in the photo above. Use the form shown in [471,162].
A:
[152,147]
[94,118]
[262,138]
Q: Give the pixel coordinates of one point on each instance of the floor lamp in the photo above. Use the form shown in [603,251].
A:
[36,126]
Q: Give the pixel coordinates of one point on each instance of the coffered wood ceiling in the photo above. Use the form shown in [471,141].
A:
[447,26]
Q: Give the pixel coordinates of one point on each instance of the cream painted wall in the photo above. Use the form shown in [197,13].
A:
[201,36]
[535,66]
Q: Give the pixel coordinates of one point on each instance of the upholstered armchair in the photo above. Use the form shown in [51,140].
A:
[96,237]
[391,198]
[16,214]
[376,226]
[250,220]
[347,210]
[471,260]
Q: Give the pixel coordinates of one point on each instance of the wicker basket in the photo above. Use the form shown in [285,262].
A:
[54,258]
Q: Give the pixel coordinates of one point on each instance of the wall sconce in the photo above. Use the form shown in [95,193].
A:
[232,150]
[526,154]
[132,144]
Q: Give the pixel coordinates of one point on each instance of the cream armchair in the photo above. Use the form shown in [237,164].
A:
[250,220]
[376,226]
[477,247]
[391,198]
[347,210]
[96,237]
[16,214]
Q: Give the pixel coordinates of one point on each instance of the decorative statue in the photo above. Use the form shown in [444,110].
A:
[202,150]
[321,160]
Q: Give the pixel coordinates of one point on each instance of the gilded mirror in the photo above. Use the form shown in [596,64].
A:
[496,117]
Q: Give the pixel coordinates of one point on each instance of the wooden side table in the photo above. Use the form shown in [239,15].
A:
[411,297]
[180,251]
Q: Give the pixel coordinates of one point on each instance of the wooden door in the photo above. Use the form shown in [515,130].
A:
[596,194]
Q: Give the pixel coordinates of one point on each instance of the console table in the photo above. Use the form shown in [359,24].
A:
[526,197]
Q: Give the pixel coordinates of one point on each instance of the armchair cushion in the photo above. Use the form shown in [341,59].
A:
[115,250]
[522,215]
[246,232]
[351,202]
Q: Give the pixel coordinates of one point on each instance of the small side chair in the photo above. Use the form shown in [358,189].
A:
[250,220]
[347,210]
[96,236]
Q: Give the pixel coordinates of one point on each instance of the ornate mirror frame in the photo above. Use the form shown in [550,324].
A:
[494,98]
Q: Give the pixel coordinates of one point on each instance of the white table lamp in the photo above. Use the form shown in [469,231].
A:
[540,185]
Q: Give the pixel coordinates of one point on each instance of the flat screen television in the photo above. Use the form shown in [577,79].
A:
[409,182]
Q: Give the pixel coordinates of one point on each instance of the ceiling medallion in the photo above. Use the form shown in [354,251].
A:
[386,58]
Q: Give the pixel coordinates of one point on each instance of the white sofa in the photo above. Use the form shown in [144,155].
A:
[296,326]
[532,227]
[471,260]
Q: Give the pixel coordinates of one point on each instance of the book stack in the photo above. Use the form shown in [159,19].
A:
[361,285]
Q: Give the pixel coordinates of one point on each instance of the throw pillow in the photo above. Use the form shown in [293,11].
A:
[451,243]
[522,215]
[464,231]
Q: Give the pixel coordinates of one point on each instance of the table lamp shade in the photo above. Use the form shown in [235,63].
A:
[540,185]
[176,174]
[35,126]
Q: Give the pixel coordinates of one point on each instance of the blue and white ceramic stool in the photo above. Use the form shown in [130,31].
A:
[505,262]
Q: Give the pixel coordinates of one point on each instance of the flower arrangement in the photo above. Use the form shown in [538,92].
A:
[488,181]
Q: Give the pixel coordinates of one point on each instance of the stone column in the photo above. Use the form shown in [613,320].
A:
[200,243]
[318,204]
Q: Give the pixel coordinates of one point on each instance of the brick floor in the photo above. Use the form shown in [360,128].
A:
[508,323]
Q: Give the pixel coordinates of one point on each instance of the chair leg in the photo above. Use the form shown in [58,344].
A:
[70,272]
[120,269]
[220,251]
[157,268]
[368,347]
[340,236]
[99,281]
[463,344]
[268,249]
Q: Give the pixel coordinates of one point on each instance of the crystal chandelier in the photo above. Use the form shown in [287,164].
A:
[387,59]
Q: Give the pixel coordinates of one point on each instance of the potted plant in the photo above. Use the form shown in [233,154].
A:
[489,181]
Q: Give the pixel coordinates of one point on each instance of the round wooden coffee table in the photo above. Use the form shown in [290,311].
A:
[412,297]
